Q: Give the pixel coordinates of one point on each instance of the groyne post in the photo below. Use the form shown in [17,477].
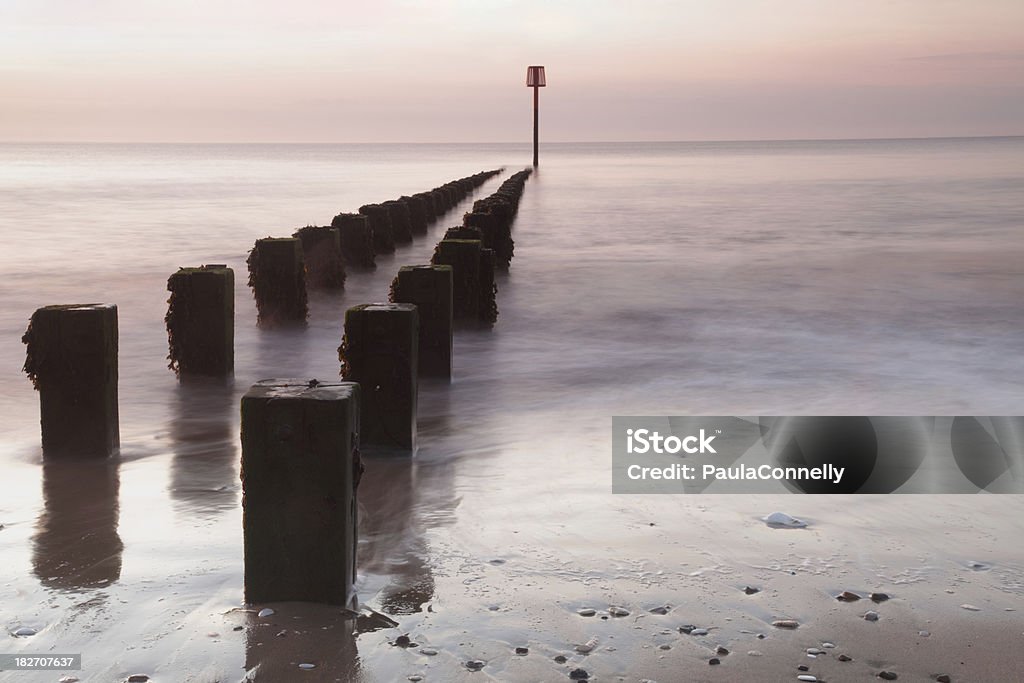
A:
[277,275]
[201,320]
[429,288]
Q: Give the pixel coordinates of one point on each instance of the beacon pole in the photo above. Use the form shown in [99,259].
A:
[535,79]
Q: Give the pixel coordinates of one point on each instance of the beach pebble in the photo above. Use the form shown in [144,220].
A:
[560,659]
[415,678]
[428,651]
[586,612]
[138,678]
[265,612]
[944,678]
[751,590]
[665,646]
[699,632]
[586,647]
[238,628]
[924,634]
[871,615]
[618,612]
[845,658]
[828,645]
[785,623]
[687,629]
[722,651]
[878,597]
[887,675]
[714,661]
[579,674]
[803,667]
[755,653]
[25,631]
[781,520]
[970,608]
[403,641]
[307,666]
[522,651]
[847,596]
[978,566]
[68,679]
[806,677]
[815,651]
[761,636]
[660,610]
[474,665]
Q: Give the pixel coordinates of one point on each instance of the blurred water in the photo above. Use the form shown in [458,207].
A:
[876,277]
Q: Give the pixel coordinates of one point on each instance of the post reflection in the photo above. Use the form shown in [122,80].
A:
[204,432]
[76,546]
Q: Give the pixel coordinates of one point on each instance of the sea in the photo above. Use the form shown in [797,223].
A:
[866,277]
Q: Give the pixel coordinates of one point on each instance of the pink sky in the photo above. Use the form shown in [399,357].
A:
[305,71]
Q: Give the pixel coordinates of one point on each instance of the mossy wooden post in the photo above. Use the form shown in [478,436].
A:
[380,222]
[430,289]
[401,221]
[428,205]
[71,358]
[321,251]
[300,470]
[201,320]
[464,258]
[380,351]
[488,288]
[356,237]
[418,218]
[277,275]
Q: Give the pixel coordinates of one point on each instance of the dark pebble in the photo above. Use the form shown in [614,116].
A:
[845,658]
[402,641]
[803,667]
[579,674]
[660,610]
[760,636]
[944,678]
[138,678]
[560,659]
[474,665]
[688,629]
[750,590]
[878,597]
[522,650]
[238,628]
[721,651]
[714,660]
[847,596]
[887,675]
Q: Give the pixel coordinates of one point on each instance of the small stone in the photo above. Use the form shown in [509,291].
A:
[68,679]
[403,641]
[307,666]
[714,661]
[887,675]
[579,674]
[687,629]
[522,651]
[281,634]
[660,610]
[878,597]
[815,651]
[847,596]
[754,653]
[265,612]
[428,651]
[618,612]
[138,678]
[785,623]
[415,678]
[803,667]
[871,615]
[806,677]
[780,520]
[25,631]
[699,632]
[828,645]
[238,628]
[761,636]
[944,678]
[973,564]
[750,590]
[722,651]
[970,608]
[560,659]
[474,665]
[586,612]
[924,634]
[845,658]
[586,647]
[665,646]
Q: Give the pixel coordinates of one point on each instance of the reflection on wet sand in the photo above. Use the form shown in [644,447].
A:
[76,545]
[204,431]
[299,633]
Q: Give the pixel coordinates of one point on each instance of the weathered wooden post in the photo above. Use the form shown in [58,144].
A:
[464,232]
[380,223]
[418,218]
[201,320]
[321,250]
[300,470]
[464,258]
[430,289]
[356,238]
[401,221]
[488,288]
[71,358]
[277,276]
[380,351]
[429,205]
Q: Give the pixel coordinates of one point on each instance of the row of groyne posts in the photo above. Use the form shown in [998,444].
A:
[301,439]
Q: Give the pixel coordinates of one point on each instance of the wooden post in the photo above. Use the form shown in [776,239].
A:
[464,258]
[401,221]
[277,276]
[300,470]
[430,289]
[321,251]
[488,288]
[418,218]
[380,351]
[356,238]
[380,222]
[464,232]
[429,205]
[201,320]
[71,358]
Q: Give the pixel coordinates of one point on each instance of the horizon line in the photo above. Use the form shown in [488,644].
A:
[512,142]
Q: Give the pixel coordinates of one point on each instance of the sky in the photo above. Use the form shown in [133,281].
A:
[454,70]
